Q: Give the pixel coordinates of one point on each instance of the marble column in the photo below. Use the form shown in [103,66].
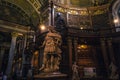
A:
[11,53]
[1,56]
[111,52]
[104,52]
[75,48]
[70,52]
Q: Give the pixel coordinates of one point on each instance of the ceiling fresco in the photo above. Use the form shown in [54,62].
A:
[19,11]
[24,12]
[13,15]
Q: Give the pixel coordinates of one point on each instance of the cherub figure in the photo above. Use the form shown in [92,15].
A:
[75,72]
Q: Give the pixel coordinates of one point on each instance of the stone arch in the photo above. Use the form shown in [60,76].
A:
[18,13]
[27,13]
[4,3]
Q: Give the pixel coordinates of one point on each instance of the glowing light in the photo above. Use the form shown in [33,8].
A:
[42,27]
[81,27]
[115,20]
[36,53]
[55,7]
[82,46]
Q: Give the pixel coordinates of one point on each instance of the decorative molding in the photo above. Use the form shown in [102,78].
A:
[97,10]
[6,26]
[14,34]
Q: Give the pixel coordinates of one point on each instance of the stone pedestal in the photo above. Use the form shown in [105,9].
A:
[51,76]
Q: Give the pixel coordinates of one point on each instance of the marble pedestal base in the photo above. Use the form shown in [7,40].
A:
[51,76]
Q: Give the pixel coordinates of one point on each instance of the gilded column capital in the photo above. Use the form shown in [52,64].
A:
[14,34]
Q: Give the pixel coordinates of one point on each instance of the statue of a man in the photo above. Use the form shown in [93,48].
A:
[52,51]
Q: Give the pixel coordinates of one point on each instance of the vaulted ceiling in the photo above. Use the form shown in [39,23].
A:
[28,12]
[24,12]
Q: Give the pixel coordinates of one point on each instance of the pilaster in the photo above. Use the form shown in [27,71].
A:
[2,50]
[104,52]
[75,48]
[110,48]
[70,52]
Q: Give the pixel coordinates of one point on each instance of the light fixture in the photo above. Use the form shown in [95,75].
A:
[42,27]
[115,20]
[36,53]
[81,27]
[83,46]
[55,6]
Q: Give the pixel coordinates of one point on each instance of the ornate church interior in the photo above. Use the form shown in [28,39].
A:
[59,39]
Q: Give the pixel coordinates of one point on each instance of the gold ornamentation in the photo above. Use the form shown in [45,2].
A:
[14,34]
[96,10]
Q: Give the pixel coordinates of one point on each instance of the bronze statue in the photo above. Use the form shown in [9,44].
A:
[52,51]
